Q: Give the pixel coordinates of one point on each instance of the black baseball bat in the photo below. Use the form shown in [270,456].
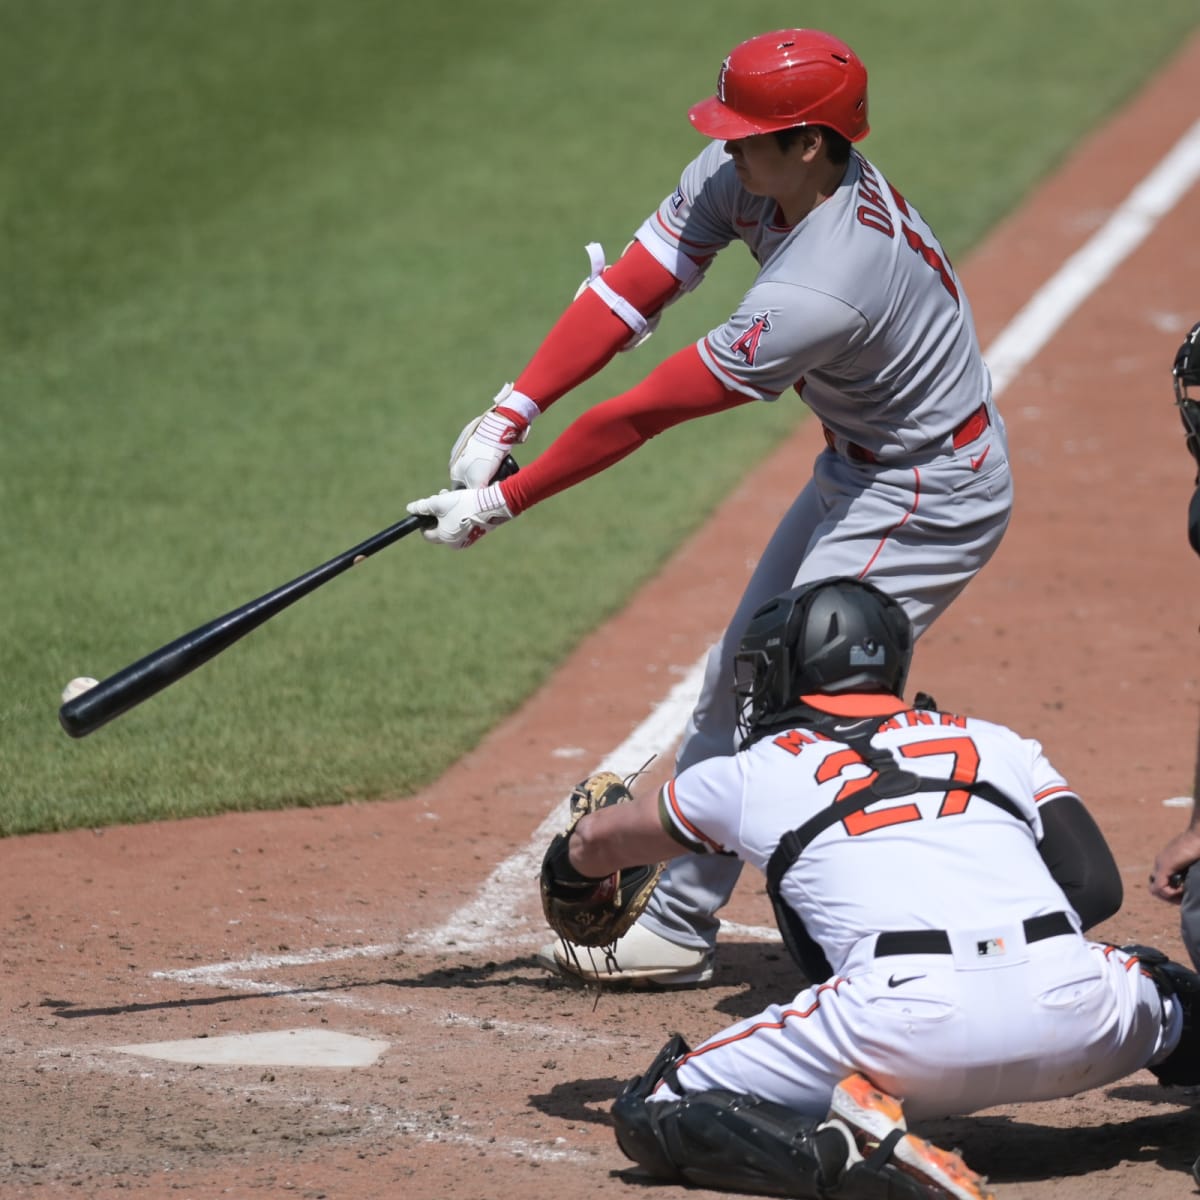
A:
[162,667]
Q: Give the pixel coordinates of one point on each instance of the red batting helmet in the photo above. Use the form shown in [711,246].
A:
[790,77]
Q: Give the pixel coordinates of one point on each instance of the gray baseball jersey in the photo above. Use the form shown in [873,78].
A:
[857,305]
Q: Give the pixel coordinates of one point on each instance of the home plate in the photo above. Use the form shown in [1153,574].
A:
[282,1048]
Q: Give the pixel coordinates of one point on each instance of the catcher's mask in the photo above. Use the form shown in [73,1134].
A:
[831,637]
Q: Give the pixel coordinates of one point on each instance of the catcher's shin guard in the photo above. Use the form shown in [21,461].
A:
[1180,986]
[635,1132]
[724,1140]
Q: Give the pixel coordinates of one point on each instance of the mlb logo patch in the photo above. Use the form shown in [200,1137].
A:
[989,947]
[677,199]
[868,653]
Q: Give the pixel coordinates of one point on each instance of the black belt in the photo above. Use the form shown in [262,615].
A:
[937,941]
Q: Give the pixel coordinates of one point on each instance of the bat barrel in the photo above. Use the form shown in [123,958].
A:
[149,675]
[160,668]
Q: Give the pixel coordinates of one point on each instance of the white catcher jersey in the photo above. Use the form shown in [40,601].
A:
[929,860]
[857,306]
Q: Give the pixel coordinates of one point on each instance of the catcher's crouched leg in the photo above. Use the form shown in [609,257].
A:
[1180,987]
[728,1141]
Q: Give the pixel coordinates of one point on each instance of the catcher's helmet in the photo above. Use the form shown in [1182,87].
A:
[778,80]
[829,637]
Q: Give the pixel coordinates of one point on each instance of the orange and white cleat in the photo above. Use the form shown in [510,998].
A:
[874,1122]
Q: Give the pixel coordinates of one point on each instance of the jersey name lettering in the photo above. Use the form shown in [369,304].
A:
[794,740]
[873,212]
[919,716]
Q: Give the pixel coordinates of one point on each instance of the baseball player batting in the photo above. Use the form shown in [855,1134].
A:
[959,983]
[856,309]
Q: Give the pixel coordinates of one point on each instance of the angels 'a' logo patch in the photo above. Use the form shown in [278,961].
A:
[721,81]
[747,344]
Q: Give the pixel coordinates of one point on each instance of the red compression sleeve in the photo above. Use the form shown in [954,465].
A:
[677,390]
[588,334]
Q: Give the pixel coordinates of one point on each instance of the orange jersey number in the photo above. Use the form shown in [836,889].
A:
[964,756]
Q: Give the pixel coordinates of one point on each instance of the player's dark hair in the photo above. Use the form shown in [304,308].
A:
[836,146]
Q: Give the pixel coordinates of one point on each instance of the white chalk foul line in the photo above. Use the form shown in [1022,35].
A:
[220,973]
[1040,319]
[494,916]
[262,975]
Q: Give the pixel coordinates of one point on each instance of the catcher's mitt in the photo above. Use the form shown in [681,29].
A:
[593,912]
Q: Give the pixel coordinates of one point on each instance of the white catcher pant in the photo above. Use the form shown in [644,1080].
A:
[948,1034]
[921,533]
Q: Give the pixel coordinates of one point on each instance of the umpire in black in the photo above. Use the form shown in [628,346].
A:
[1176,874]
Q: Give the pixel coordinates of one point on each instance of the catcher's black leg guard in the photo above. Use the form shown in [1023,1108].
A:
[635,1134]
[725,1140]
[1182,1066]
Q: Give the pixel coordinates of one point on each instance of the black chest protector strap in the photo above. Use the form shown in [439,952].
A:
[889,782]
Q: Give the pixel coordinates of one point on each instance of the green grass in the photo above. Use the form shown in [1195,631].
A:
[263,258]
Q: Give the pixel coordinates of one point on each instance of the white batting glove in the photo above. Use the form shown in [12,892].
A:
[463,516]
[486,441]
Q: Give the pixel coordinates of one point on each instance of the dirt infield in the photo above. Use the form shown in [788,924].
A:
[414,922]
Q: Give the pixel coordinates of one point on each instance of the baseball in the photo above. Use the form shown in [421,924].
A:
[77,687]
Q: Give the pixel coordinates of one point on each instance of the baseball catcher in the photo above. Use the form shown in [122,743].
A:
[932,873]
[583,910]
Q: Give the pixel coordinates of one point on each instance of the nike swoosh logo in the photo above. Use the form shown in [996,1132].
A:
[894,982]
[976,463]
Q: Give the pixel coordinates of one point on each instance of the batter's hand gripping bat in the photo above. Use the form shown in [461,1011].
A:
[162,667]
